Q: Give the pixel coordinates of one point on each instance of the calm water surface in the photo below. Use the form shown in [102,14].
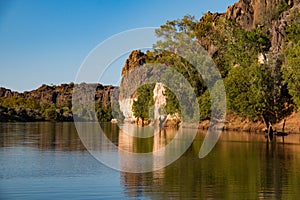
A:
[48,161]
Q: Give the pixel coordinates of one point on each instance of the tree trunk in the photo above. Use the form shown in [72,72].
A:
[266,121]
[283,125]
[142,121]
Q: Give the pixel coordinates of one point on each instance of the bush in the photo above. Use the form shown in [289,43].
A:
[51,114]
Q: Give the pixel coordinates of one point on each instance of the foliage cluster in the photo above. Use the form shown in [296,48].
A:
[142,106]
[291,66]
[266,91]
[28,109]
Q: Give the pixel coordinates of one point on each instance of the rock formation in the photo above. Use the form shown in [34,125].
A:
[133,76]
[136,58]
[7,93]
[130,79]
[159,99]
[251,13]
[60,96]
[242,12]
[248,14]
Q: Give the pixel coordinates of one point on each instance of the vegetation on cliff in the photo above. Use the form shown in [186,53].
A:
[142,106]
[291,52]
[255,46]
[53,103]
[259,64]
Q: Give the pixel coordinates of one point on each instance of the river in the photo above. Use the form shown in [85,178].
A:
[48,161]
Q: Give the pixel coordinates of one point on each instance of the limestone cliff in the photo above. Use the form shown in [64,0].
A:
[251,13]
[7,93]
[248,14]
[271,13]
[59,94]
[159,99]
[132,77]
[46,96]
[129,80]
[136,58]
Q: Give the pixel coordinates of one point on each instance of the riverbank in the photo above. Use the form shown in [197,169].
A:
[232,123]
[235,123]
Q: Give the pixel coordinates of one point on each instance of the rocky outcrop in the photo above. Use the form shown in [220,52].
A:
[159,99]
[46,96]
[133,76]
[51,94]
[7,93]
[130,80]
[242,12]
[251,13]
[126,109]
[136,58]
[271,13]
[61,94]
[278,29]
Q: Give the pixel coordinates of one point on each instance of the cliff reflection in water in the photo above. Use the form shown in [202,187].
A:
[41,135]
[241,165]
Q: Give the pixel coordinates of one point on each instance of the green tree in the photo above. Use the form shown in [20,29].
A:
[291,71]
[51,114]
[291,67]
[252,92]
[141,107]
[103,112]
[172,105]
[116,112]
[205,106]
[172,35]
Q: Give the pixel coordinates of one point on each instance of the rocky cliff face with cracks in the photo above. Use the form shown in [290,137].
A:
[59,94]
[132,77]
[129,80]
[270,15]
[32,105]
[250,14]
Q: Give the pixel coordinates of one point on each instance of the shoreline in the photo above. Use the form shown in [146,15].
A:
[232,123]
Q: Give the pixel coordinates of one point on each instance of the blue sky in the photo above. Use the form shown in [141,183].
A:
[45,41]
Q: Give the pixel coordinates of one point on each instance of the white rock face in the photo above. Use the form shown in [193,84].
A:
[126,108]
[159,99]
[262,58]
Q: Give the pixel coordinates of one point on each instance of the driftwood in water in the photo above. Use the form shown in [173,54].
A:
[282,133]
[270,132]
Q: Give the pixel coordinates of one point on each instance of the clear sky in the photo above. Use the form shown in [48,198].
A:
[45,41]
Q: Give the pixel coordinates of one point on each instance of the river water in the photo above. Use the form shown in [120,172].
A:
[48,161]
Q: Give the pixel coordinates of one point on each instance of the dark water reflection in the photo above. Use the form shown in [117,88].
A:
[43,135]
[48,161]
